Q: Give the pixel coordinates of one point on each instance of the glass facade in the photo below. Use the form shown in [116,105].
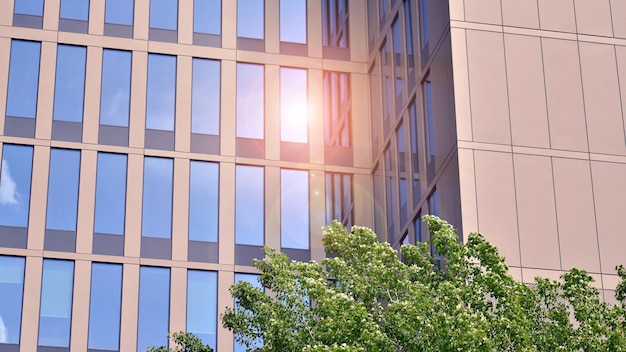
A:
[203,201]
[154,307]
[75,9]
[250,101]
[15,179]
[69,88]
[115,91]
[202,305]
[251,19]
[105,307]
[294,209]
[158,177]
[110,209]
[119,12]
[55,312]
[249,205]
[293,21]
[23,79]
[161,92]
[11,294]
[205,97]
[164,14]
[29,7]
[62,208]
[294,119]
[207,16]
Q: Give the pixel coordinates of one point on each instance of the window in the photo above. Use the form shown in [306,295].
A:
[417,225]
[391,190]
[207,16]
[387,86]
[119,12]
[423,7]
[164,14]
[249,205]
[428,107]
[250,101]
[11,294]
[433,204]
[293,105]
[158,175]
[154,307]
[115,93]
[408,32]
[414,154]
[28,7]
[161,92]
[55,312]
[294,209]
[335,23]
[203,201]
[105,307]
[372,21]
[75,10]
[110,194]
[293,21]
[69,88]
[252,279]
[23,78]
[15,179]
[205,97]
[337,109]
[202,305]
[398,54]
[63,189]
[339,198]
[402,174]
[250,19]
[379,201]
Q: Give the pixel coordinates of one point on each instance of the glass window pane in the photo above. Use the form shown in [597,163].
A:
[110,194]
[63,189]
[105,306]
[202,305]
[119,12]
[75,9]
[293,105]
[205,97]
[164,14]
[29,7]
[15,178]
[207,16]
[203,201]
[56,303]
[250,101]
[154,307]
[23,79]
[11,293]
[293,21]
[115,94]
[69,88]
[161,93]
[249,205]
[250,19]
[157,197]
[423,6]
[294,209]
[253,279]
[428,102]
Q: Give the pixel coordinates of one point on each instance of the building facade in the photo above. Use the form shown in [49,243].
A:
[150,148]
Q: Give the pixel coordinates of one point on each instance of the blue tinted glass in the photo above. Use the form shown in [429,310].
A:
[294,209]
[115,94]
[417,224]
[203,201]
[105,306]
[293,105]
[161,94]
[75,9]
[69,88]
[424,22]
[15,176]
[164,14]
[119,12]
[202,305]
[293,21]
[29,7]
[207,16]
[250,101]
[249,205]
[254,281]
[56,303]
[250,19]
[429,114]
[157,197]
[205,97]
[23,79]
[110,194]
[63,189]
[154,307]
[11,289]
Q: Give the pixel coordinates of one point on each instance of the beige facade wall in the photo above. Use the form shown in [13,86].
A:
[540,119]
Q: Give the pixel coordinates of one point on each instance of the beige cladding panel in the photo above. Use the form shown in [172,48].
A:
[96,16]
[272,26]
[134,198]
[86,201]
[457,10]
[564,95]
[594,17]
[51,10]
[483,11]
[226,224]
[461,84]
[93,76]
[620,54]
[178,299]
[185,22]
[6,16]
[130,307]
[618,11]
[443,102]
[272,112]
[603,108]
[488,92]
[272,207]
[180,209]
[30,303]
[575,215]
[520,13]
[80,308]
[38,197]
[142,19]
[228,107]
[557,15]
[609,189]
[539,242]
[5,58]
[358,21]
[45,98]
[315,106]
[182,129]
[314,21]
[317,204]
[225,279]
[360,123]
[527,99]
[467,193]
[139,79]
[495,198]
[363,200]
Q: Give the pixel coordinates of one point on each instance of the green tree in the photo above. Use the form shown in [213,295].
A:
[183,342]
[365,298]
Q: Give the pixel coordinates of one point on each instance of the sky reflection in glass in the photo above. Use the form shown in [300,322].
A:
[161,92]
[110,194]
[105,306]
[15,178]
[249,205]
[119,12]
[157,197]
[69,88]
[205,97]
[115,94]
[29,7]
[293,21]
[207,16]
[11,289]
[154,307]
[164,14]
[293,105]
[203,201]
[23,79]
[56,303]
[63,189]
[250,19]
[75,9]
[294,209]
[202,305]
[250,100]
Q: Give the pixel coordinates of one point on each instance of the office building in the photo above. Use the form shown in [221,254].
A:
[150,148]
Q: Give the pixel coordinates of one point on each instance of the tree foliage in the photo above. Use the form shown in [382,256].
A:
[183,342]
[365,298]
